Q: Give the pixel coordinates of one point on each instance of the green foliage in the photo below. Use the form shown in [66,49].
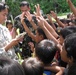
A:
[60,6]
[13,7]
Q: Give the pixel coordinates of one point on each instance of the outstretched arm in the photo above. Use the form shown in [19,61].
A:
[41,23]
[50,19]
[57,69]
[54,15]
[26,28]
[72,7]
[14,33]
[14,42]
[29,17]
[51,30]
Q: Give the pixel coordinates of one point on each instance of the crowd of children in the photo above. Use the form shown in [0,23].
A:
[52,44]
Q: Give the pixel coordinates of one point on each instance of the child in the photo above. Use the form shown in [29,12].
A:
[10,67]
[10,27]
[32,66]
[45,52]
[68,54]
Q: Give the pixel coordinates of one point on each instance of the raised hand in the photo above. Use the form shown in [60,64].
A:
[22,17]
[72,7]
[50,20]
[53,14]
[49,17]
[37,13]
[29,16]
[40,21]
[20,36]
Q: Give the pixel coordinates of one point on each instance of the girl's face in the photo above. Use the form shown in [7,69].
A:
[9,26]
[3,16]
[64,54]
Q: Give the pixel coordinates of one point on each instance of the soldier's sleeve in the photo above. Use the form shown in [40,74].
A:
[17,22]
[34,19]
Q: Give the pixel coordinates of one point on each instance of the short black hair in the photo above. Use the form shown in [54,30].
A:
[67,30]
[10,67]
[70,45]
[41,32]
[8,22]
[72,69]
[68,15]
[32,66]
[3,6]
[45,51]
[24,3]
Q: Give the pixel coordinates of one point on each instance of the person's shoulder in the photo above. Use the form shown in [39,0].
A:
[17,17]
[65,71]
[32,15]
[4,28]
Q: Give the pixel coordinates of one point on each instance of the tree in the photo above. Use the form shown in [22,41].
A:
[46,6]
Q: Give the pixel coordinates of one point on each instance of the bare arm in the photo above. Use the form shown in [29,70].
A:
[13,43]
[72,7]
[58,70]
[29,16]
[26,28]
[54,15]
[48,34]
[34,25]
[51,30]
[28,31]
[50,19]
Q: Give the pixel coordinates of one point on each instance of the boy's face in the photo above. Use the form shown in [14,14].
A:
[3,16]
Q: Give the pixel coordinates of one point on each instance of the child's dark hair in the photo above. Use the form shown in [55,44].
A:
[72,69]
[41,32]
[32,66]
[45,51]
[8,22]
[66,31]
[70,45]
[10,67]
[68,15]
